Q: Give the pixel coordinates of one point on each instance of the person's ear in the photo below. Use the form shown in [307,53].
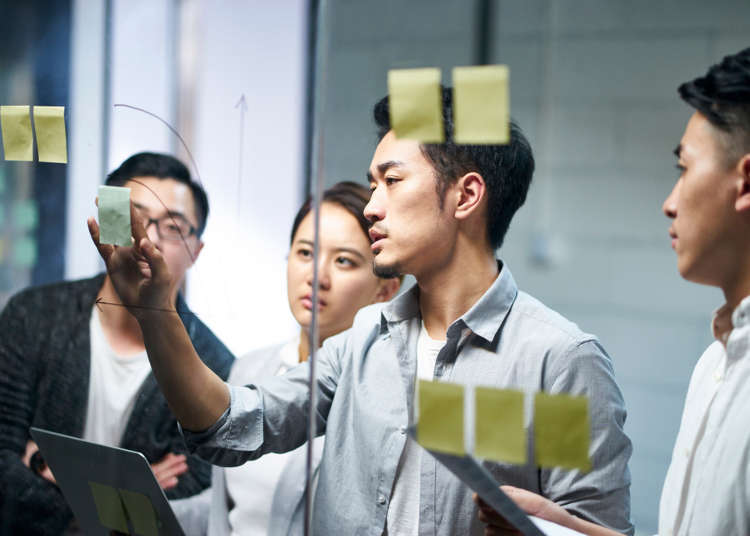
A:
[197,251]
[470,189]
[742,203]
[387,289]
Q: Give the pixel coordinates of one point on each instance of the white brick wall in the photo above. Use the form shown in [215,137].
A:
[593,84]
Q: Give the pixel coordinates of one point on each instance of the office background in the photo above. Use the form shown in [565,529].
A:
[593,84]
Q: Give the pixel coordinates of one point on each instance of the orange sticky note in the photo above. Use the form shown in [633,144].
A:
[415,103]
[562,432]
[498,430]
[481,104]
[441,417]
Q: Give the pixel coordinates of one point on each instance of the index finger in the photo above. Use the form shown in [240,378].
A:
[139,231]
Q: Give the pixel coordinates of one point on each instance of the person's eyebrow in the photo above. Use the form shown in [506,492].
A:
[678,151]
[385,166]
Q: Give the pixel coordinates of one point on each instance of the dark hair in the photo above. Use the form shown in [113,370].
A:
[162,166]
[349,195]
[723,97]
[506,169]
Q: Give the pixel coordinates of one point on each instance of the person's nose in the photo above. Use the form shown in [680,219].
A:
[374,210]
[669,207]
[324,275]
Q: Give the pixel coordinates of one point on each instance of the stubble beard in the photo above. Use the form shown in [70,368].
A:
[386,271]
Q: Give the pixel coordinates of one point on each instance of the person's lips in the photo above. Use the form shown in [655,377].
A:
[307,302]
[673,235]
[376,236]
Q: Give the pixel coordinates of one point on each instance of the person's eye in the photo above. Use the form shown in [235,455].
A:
[372,187]
[389,181]
[344,261]
[305,253]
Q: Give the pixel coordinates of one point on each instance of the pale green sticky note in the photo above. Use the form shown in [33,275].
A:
[109,507]
[498,431]
[415,104]
[24,252]
[25,215]
[481,105]
[441,417]
[51,141]
[562,431]
[18,142]
[114,215]
[141,512]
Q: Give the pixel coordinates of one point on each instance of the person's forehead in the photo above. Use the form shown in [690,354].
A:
[391,150]
[699,139]
[338,229]
[162,195]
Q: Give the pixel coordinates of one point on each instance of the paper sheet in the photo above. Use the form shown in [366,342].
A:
[481,104]
[415,104]
[18,142]
[114,215]
[500,434]
[441,416]
[109,507]
[51,142]
[561,431]
[141,513]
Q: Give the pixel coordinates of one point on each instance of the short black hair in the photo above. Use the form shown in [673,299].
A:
[347,194]
[162,166]
[507,169]
[723,97]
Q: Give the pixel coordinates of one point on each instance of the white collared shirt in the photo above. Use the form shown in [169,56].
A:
[707,489]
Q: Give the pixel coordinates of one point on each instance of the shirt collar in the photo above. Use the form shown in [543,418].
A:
[484,318]
[725,320]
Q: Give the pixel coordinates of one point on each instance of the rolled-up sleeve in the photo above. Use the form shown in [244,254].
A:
[603,494]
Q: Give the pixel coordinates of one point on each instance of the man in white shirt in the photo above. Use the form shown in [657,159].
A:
[707,489]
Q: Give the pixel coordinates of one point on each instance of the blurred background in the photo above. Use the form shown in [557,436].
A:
[593,84]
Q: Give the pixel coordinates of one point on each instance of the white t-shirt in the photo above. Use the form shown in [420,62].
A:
[403,512]
[251,486]
[114,382]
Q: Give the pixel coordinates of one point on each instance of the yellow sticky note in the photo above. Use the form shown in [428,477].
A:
[441,417]
[51,142]
[109,507]
[18,143]
[415,104]
[114,215]
[141,512]
[562,431]
[498,431]
[481,105]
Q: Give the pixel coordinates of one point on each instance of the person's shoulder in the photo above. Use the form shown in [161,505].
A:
[547,322]
[57,296]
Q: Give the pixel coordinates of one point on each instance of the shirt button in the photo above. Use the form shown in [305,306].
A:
[687,453]
[381,499]
[402,429]
[718,376]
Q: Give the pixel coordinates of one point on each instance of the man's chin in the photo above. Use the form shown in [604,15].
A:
[386,271]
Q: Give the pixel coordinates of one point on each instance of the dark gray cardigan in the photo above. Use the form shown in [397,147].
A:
[44,382]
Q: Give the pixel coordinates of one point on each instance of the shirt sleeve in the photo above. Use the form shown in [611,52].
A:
[270,416]
[603,494]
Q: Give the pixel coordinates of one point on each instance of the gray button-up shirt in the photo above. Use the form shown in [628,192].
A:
[366,380]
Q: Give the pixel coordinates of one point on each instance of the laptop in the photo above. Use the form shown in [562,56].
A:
[108,488]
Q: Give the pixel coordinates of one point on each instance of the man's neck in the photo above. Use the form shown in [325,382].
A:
[120,328]
[454,288]
[738,287]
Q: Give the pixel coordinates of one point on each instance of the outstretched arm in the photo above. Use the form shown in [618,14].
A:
[196,395]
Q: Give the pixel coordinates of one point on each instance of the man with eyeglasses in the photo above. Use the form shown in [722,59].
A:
[73,360]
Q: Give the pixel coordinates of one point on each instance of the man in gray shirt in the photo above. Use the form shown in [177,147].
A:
[439,212]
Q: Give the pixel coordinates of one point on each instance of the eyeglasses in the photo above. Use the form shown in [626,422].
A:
[171,227]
